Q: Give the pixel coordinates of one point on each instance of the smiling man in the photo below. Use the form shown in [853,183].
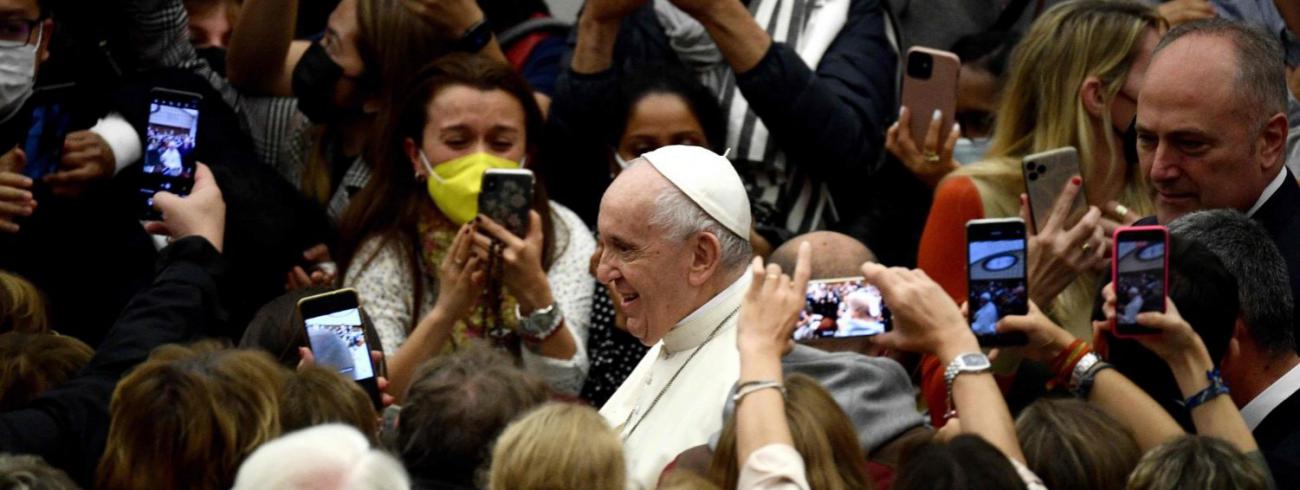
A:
[674,227]
[1212,129]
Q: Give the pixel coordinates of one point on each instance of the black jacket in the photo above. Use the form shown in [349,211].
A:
[1280,216]
[1278,436]
[68,426]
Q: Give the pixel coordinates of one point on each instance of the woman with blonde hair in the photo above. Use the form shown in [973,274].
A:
[1075,80]
[188,417]
[22,309]
[558,445]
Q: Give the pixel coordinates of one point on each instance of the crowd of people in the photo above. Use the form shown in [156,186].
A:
[712,180]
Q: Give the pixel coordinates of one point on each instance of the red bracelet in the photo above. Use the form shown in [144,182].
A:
[1063,364]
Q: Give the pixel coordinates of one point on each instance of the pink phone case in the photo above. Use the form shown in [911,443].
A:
[939,91]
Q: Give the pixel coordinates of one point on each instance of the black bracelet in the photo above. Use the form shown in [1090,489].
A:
[475,38]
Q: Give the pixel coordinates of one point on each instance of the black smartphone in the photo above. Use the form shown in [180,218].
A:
[1140,272]
[842,308]
[50,121]
[338,340]
[173,130]
[995,277]
[506,196]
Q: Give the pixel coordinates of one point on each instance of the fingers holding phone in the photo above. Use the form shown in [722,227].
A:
[930,161]
[16,199]
[201,213]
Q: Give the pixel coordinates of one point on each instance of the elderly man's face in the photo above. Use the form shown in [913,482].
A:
[645,267]
[1197,142]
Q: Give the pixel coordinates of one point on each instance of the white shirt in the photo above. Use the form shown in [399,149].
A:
[1276,393]
[773,467]
[1269,191]
[689,410]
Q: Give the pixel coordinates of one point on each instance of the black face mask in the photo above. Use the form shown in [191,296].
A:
[1131,142]
[315,79]
[216,58]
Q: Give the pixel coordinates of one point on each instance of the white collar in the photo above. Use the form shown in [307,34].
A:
[696,327]
[1269,191]
[1276,393]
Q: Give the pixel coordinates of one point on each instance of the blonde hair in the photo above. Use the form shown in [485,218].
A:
[188,417]
[822,433]
[558,445]
[1071,444]
[1198,462]
[31,364]
[22,309]
[1041,110]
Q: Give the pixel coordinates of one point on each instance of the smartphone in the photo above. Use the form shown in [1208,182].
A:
[50,122]
[506,197]
[930,83]
[173,129]
[338,340]
[1140,272]
[842,308]
[996,284]
[1046,174]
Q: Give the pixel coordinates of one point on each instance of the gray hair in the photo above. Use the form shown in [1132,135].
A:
[25,472]
[1261,72]
[330,456]
[679,216]
[1264,287]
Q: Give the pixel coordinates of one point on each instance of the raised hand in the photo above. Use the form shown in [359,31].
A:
[15,190]
[770,310]
[460,276]
[928,161]
[202,213]
[1060,252]
[1046,338]
[926,320]
[521,259]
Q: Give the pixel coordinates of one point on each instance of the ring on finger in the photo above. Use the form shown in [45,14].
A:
[1087,246]
[931,157]
[1121,210]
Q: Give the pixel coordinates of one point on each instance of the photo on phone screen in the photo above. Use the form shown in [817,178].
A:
[841,308]
[169,146]
[339,341]
[1139,276]
[996,266]
[50,122]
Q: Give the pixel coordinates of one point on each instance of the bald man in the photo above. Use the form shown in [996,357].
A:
[833,254]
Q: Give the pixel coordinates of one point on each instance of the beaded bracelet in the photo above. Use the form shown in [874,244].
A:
[1216,388]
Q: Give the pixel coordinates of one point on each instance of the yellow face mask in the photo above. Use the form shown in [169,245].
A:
[454,185]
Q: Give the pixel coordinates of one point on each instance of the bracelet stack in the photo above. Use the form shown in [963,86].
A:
[1085,374]
[744,389]
[1064,364]
[1216,388]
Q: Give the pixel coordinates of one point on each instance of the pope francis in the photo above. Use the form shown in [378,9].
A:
[674,228]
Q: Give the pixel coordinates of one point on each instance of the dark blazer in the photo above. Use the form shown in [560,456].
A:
[1280,216]
[1278,436]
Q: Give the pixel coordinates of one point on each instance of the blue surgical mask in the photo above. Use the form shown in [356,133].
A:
[970,150]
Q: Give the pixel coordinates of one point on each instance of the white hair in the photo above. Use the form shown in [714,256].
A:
[324,457]
[679,216]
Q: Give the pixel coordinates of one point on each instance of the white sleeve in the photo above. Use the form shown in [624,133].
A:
[572,287]
[385,287]
[773,467]
[122,140]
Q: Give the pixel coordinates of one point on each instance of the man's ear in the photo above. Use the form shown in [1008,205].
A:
[1093,97]
[706,258]
[1272,142]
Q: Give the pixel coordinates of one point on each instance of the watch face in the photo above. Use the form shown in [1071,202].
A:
[977,361]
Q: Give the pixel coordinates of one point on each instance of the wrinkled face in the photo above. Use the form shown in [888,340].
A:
[659,120]
[1196,142]
[647,269]
[464,120]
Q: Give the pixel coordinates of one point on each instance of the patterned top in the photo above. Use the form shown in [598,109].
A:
[613,351]
[382,279]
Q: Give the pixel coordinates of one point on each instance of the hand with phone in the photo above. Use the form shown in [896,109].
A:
[1058,252]
[16,198]
[317,260]
[770,310]
[1045,339]
[926,319]
[929,161]
[201,213]
[86,158]
[521,260]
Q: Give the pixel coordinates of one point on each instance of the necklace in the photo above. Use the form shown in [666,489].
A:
[673,378]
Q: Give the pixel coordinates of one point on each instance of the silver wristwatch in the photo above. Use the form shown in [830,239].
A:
[539,324]
[974,362]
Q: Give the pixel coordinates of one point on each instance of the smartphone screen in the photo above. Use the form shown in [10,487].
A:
[506,197]
[169,151]
[842,308]
[996,285]
[50,122]
[337,338]
[1139,275]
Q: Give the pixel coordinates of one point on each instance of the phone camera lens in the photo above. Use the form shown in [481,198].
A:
[920,65]
[1033,176]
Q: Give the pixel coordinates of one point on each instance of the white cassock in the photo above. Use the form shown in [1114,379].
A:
[690,409]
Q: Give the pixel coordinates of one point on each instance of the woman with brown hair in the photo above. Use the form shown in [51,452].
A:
[188,417]
[33,363]
[314,395]
[419,254]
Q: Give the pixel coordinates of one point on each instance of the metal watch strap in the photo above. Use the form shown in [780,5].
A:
[957,367]
[528,325]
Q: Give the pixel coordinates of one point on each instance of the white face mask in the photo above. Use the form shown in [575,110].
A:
[622,163]
[17,76]
[970,150]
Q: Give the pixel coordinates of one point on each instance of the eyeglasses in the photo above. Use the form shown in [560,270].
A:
[16,33]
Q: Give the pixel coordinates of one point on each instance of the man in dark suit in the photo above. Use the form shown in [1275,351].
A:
[1260,364]
[1212,130]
